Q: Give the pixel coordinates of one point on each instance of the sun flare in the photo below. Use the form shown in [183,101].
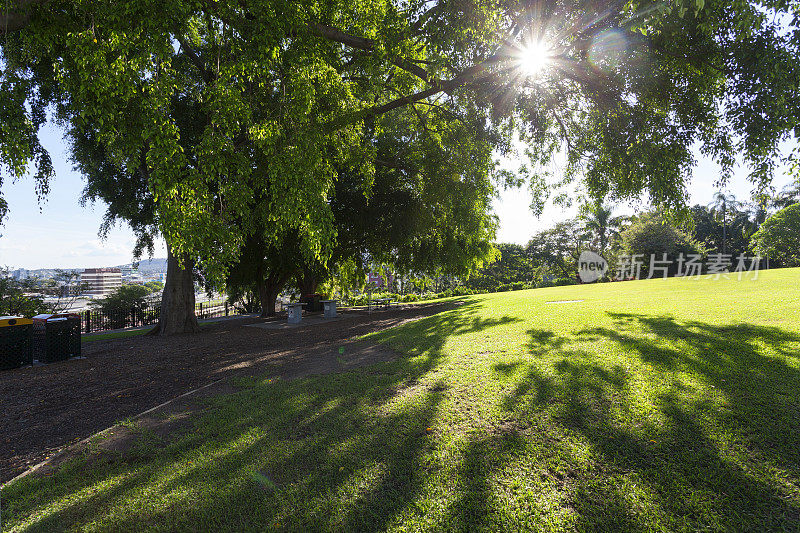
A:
[534,58]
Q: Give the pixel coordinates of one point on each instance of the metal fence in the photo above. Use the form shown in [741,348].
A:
[94,320]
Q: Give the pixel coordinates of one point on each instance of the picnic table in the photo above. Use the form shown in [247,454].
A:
[329,308]
[381,302]
[295,312]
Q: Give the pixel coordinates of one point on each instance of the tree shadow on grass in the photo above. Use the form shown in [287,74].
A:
[747,363]
[429,335]
[345,452]
[475,505]
[728,459]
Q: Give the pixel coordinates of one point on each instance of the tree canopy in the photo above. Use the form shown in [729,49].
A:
[215,103]
[651,235]
[779,237]
[730,235]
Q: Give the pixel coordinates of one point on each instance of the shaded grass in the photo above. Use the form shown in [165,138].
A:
[90,337]
[653,405]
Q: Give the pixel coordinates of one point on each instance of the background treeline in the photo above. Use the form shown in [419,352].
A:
[726,226]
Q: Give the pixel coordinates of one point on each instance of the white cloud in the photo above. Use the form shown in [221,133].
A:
[98,248]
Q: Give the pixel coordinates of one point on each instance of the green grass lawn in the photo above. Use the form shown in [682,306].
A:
[652,405]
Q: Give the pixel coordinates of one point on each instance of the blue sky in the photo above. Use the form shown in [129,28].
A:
[61,233]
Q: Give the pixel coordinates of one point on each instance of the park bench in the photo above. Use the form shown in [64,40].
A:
[329,308]
[295,312]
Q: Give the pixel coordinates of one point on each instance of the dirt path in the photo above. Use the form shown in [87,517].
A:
[46,408]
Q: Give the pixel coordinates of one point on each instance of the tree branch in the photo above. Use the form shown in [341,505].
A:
[208,75]
[17,16]
[466,76]
[368,45]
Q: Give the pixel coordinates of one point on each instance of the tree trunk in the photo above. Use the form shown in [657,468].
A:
[307,283]
[724,227]
[177,300]
[268,290]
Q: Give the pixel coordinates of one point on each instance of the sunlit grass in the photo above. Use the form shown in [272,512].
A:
[652,405]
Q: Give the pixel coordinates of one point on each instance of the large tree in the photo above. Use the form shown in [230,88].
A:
[263,268]
[555,251]
[428,207]
[129,200]
[779,237]
[653,234]
[513,265]
[626,88]
[425,208]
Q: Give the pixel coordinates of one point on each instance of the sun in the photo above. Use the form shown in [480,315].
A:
[534,58]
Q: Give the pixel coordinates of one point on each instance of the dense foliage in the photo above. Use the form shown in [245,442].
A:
[513,266]
[124,299]
[651,236]
[227,121]
[633,84]
[154,286]
[779,237]
[601,224]
[729,232]
[19,297]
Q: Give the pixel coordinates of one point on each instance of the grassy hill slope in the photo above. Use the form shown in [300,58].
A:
[650,405]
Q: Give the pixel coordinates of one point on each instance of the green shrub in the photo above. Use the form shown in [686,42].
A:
[13,298]
[779,237]
[565,281]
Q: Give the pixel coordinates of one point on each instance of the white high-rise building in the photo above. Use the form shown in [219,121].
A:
[101,281]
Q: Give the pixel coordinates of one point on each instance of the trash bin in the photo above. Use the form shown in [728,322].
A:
[57,337]
[16,342]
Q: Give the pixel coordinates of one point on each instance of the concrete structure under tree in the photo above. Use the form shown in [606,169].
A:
[295,313]
[329,308]
[101,281]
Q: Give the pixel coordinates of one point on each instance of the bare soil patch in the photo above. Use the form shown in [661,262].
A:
[47,408]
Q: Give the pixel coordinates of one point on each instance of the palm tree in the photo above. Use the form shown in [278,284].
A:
[598,220]
[724,202]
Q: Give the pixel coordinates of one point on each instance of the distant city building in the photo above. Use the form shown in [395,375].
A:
[131,274]
[128,271]
[20,274]
[378,281]
[101,281]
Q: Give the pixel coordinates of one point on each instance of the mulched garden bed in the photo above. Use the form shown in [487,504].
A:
[45,408]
